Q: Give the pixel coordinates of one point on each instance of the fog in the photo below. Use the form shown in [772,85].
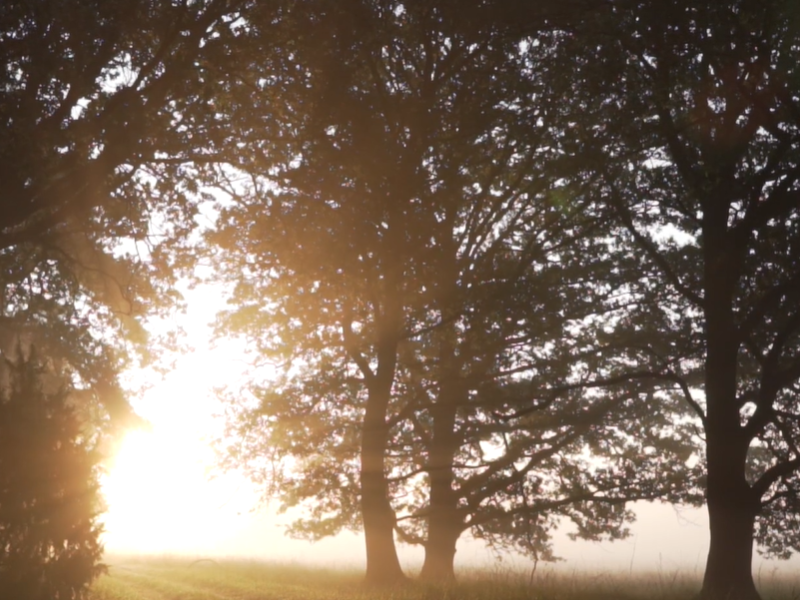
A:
[663,539]
[162,498]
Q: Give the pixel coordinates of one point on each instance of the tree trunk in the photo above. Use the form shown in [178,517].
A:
[728,573]
[440,551]
[732,504]
[383,565]
[444,520]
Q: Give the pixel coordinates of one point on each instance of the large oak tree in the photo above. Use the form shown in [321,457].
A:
[401,248]
[688,116]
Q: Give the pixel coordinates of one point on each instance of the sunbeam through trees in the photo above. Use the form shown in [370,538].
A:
[495,266]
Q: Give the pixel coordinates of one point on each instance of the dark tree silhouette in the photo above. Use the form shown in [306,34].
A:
[95,164]
[49,492]
[687,116]
[94,160]
[402,249]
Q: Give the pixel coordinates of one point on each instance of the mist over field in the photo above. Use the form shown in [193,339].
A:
[222,517]
[665,538]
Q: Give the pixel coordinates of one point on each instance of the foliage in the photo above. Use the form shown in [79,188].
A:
[94,160]
[690,129]
[405,204]
[49,492]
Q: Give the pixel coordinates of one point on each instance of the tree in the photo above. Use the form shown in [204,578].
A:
[329,270]
[689,118]
[401,249]
[94,160]
[49,493]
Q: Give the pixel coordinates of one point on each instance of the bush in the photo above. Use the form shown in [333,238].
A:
[49,492]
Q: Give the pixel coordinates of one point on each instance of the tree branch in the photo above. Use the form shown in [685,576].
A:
[647,245]
[773,474]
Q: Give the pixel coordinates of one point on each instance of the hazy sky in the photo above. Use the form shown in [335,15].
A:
[161,501]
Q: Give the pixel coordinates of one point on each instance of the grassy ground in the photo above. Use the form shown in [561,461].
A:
[183,579]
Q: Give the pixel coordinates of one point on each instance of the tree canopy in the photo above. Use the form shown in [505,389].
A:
[94,170]
[96,187]
[403,249]
[690,129]
[497,264]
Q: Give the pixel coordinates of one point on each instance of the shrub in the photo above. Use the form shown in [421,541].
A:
[49,491]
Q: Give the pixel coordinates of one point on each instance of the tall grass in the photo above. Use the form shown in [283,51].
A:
[173,578]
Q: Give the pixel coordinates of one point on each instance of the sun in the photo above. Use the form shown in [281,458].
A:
[157,490]
[151,492]
[160,499]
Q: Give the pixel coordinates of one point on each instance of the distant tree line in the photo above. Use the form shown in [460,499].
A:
[500,264]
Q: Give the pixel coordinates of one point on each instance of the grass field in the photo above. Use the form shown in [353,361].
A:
[184,579]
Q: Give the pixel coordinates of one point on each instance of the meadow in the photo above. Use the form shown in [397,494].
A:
[173,578]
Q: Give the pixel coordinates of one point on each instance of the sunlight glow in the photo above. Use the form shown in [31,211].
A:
[160,500]
[156,493]
[157,489]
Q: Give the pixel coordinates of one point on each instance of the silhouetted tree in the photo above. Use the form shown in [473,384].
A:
[49,493]
[687,116]
[403,251]
[94,160]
